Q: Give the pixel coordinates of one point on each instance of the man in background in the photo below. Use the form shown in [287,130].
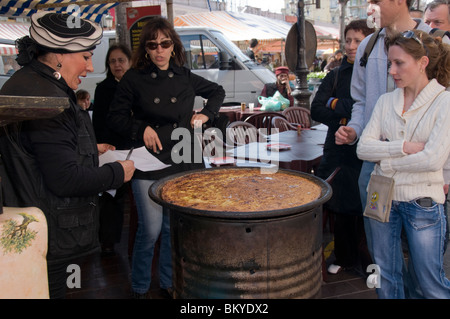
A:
[437,14]
[251,49]
[335,61]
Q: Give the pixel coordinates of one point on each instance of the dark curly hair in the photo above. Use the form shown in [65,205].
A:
[150,32]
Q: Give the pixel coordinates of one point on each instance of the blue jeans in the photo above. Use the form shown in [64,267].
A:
[425,230]
[411,286]
[153,220]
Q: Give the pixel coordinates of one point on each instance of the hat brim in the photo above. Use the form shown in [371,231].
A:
[56,34]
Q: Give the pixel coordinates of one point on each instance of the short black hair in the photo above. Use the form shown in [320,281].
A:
[253,43]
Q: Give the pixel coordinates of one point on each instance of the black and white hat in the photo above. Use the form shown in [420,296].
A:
[58,32]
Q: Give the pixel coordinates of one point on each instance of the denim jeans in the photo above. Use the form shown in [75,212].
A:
[412,289]
[425,231]
[153,220]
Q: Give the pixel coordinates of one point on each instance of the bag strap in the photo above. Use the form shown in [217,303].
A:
[369,47]
[423,114]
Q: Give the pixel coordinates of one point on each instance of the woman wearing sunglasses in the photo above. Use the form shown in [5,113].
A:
[408,137]
[153,99]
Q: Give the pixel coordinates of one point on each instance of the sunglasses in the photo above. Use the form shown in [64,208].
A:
[411,35]
[154,45]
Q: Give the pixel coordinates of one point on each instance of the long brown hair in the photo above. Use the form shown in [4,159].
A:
[437,52]
[150,32]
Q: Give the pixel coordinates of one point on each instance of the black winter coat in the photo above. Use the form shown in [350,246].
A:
[163,100]
[345,197]
[52,164]
[104,94]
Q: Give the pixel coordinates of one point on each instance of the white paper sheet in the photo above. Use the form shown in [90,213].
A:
[143,160]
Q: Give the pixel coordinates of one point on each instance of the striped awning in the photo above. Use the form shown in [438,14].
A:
[11,32]
[244,26]
[89,9]
[237,26]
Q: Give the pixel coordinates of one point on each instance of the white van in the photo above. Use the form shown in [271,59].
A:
[209,54]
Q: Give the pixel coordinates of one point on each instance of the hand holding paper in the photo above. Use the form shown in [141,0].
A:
[143,160]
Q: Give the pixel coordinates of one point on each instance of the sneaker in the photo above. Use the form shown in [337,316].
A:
[334,269]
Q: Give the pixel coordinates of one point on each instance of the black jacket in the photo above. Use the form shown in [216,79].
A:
[163,100]
[345,197]
[104,94]
[53,164]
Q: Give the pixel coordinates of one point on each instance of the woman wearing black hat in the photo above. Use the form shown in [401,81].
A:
[53,163]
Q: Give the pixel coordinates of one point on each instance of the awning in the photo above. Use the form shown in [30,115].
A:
[326,32]
[89,9]
[6,49]
[12,32]
[237,26]
[244,26]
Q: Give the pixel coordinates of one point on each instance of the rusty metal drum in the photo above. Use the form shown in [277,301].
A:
[259,255]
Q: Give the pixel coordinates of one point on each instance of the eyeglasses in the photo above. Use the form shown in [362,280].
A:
[154,45]
[411,35]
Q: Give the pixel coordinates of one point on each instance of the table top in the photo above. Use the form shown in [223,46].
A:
[306,147]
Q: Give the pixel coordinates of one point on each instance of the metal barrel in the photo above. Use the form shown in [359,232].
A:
[229,259]
[247,255]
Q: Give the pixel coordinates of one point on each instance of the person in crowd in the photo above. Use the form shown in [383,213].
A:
[153,99]
[407,138]
[437,14]
[52,163]
[332,106]
[369,82]
[112,206]
[335,61]
[251,49]
[83,99]
[282,85]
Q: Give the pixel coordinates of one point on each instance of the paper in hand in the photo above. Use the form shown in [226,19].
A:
[143,160]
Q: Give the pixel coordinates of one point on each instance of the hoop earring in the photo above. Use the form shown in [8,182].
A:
[147,56]
[172,54]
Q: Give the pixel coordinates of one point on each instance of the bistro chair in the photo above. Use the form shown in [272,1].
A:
[299,115]
[212,143]
[241,133]
[283,125]
[263,120]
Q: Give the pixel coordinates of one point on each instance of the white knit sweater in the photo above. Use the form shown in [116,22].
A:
[416,175]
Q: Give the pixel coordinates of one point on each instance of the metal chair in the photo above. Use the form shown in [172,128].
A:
[241,133]
[282,124]
[299,115]
[263,120]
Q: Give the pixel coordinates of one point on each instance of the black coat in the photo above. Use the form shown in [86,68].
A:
[53,164]
[163,100]
[104,94]
[345,197]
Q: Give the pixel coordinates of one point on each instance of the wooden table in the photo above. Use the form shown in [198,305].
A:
[304,155]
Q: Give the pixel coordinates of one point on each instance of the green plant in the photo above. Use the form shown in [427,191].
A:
[316,75]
